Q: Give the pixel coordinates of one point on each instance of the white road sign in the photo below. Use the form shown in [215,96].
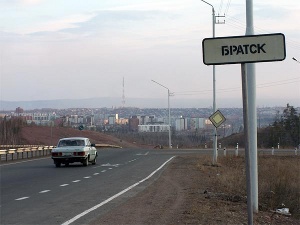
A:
[244,49]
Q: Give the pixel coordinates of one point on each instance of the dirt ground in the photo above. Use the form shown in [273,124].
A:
[185,194]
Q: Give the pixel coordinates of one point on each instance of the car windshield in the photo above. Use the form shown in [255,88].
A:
[63,143]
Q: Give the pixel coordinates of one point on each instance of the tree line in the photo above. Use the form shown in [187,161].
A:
[285,130]
[10,130]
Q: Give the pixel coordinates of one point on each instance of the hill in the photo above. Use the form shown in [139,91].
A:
[40,135]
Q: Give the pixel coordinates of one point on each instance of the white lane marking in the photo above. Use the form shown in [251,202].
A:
[103,171]
[20,199]
[96,174]
[95,167]
[143,154]
[115,196]
[132,160]
[108,164]
[63,185]
[23,162]
[45,191]
[87,177]
[110,168]
[75,181]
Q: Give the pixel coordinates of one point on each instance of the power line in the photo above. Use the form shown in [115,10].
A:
[222,90]
[227,7]
[220,7]
[237,24]
[234,22]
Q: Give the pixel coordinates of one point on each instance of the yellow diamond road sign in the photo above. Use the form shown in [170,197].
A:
[217,118]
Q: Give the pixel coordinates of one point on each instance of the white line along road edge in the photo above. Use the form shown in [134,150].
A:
[115,196]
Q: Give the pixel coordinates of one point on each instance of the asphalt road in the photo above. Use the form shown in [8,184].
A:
[36,192]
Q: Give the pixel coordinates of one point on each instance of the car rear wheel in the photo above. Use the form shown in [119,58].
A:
[57,164]
[94,161]
[86,161]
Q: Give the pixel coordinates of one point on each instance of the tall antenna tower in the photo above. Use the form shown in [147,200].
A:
[123,96]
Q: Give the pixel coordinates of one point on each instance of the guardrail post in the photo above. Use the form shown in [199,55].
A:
[237,149]
[220,146]
[205,145]
[278,146]
[272,150]
[224,151]
[296,151]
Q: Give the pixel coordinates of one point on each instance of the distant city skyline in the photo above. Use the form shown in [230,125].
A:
[51,50]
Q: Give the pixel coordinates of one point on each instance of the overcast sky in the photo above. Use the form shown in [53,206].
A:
[76,49]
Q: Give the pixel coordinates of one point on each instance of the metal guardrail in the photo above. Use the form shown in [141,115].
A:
[11,152]
[20,151]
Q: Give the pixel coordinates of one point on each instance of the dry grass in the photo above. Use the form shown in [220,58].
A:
[279,181]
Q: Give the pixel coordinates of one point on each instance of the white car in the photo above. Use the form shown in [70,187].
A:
[74,149]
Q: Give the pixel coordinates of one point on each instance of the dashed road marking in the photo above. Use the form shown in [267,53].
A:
[143,154]
[45,191]
[20,199]
[111,165]
[132,160]
[76,181]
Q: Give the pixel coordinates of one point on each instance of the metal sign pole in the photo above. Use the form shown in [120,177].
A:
[247,140]
[251,95]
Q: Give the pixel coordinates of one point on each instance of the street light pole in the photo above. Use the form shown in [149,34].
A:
[170,143]
[215,138]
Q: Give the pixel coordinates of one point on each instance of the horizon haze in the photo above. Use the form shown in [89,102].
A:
[135,103]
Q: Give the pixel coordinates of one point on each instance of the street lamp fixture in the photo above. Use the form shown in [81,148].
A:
[170,143]
[295,60]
